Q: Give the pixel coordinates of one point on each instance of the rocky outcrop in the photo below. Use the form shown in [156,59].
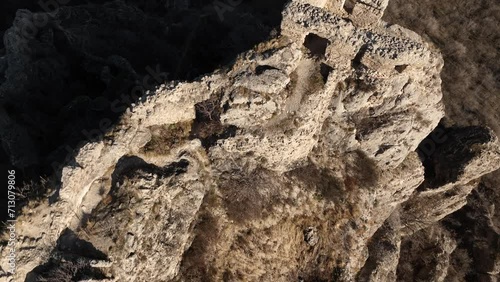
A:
[69,70]
[306,159]
[464,32]
[452,172]
[383,248]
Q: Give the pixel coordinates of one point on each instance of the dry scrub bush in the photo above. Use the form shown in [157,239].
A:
[165,137]
[250,196]
[208,109]
[66,271]
[326,186]
[362,172]
[207,126]
[34,190]
[195,264]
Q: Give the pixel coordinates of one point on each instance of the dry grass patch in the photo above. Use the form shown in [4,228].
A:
[273,44]
[166,137]
[251,196]
[196,264]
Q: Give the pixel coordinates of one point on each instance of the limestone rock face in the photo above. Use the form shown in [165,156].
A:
[375,95]
[305,159]
[452,172]
[384,252]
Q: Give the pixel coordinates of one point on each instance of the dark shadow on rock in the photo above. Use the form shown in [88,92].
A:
[250,196]
[322,181]
[129,167]
[70,260]
[68,81]
[472,224]
[207,125]
[316,44]
[446,152]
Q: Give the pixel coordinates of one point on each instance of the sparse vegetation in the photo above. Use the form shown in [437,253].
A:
[195,264]
[327,187]
[273,44]
[208,109]
[207,126]
[250,196]
[33,190]
[69,270]
[363,172]
[30,194]
[165,137]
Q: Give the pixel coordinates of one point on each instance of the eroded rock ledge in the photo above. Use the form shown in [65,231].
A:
[298,162]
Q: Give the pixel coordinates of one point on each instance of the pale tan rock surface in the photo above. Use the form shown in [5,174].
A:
[298,162]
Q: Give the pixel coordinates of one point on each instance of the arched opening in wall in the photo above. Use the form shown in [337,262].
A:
[316,44]
[349,5]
